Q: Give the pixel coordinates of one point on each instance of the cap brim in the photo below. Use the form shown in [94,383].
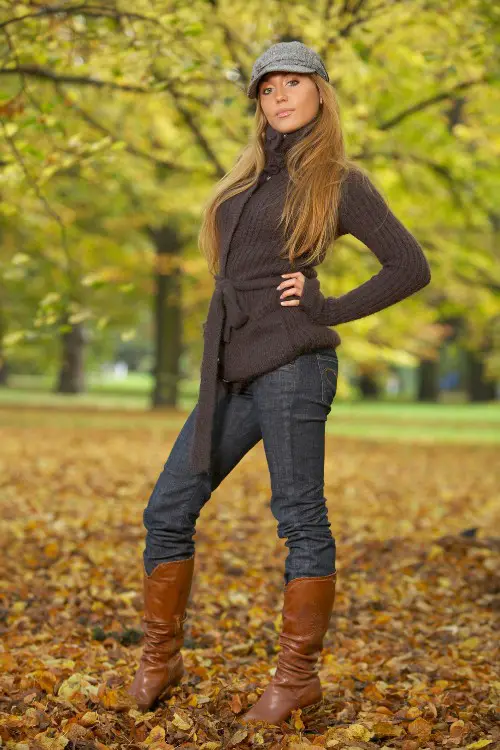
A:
[274,67]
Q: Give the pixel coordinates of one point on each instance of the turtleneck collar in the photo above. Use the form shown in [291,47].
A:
[276,144]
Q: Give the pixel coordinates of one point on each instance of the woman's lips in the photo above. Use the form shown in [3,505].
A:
[286,113]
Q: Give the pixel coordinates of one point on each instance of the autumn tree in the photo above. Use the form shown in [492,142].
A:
[151,103]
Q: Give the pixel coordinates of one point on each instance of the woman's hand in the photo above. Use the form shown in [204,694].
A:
[293,286]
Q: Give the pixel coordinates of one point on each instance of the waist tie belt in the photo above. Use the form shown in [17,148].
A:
[224,314]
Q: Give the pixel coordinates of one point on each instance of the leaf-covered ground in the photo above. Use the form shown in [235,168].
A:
[411,659]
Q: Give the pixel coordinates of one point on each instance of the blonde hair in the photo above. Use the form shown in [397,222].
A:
[317,165]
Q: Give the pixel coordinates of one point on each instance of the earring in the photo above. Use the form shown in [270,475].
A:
[321,101]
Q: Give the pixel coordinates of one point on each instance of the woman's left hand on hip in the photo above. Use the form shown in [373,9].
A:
[293,286]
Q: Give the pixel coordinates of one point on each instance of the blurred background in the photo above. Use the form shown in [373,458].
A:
[116,122]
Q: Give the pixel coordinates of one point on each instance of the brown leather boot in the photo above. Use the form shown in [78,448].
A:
[166,593]
[308,604]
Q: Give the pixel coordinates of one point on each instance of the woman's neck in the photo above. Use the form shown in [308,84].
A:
[276,143]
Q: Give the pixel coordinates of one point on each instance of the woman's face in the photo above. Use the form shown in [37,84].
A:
[288,91]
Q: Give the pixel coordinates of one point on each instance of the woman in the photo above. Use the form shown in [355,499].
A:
[269,367]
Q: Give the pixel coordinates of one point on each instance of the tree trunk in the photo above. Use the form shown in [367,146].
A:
[167,317]
[4,371]
[478,388]
[3,362]
[368,386]
[428,386]
[71,374]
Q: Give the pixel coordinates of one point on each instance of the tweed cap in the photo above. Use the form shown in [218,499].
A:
[292,57]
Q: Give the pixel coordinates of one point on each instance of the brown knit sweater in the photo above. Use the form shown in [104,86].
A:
[247,331]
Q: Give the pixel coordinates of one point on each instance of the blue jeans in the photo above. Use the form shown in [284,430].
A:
[287,409]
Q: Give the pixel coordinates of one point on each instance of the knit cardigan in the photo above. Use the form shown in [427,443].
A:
[247,331]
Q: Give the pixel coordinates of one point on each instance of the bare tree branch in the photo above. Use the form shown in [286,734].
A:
[200,138]
[444,173]
[130,148]
[357,18]
[35,71]
[430,101]
[82,10]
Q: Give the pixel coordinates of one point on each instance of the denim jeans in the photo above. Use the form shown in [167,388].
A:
[287,409]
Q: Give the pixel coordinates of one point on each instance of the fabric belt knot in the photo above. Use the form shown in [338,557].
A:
[234,316]
[224,314]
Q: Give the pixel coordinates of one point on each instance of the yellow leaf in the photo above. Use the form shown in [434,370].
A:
[420,727]
[435,551]
[45,680]
[385,729]
[353,733]
[297,722]
[470,643]
[157,734]
[358,732]
[372,693]
[413,712]
[77,687]
[382,618]
[51,743]
[238,736]
[51,549]
[441,684]
[113,699]
[182,723]
[89,719]
[10,129]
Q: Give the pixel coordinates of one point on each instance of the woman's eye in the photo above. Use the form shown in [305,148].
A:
[292,80]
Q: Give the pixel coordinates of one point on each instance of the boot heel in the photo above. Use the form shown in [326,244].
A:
[310,713]
[313,708]
[166,692]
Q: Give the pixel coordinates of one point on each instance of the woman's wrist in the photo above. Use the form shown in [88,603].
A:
[320,309]
[311,300]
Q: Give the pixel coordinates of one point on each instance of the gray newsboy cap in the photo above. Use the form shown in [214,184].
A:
[292,57]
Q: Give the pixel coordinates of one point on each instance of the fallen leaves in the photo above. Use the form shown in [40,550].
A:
[420,727]
[77,688]
[43,679]
[341,736]
[410,660]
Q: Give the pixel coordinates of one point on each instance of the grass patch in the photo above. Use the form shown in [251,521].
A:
[444,423]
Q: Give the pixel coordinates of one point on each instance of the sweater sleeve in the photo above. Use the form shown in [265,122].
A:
[365,214]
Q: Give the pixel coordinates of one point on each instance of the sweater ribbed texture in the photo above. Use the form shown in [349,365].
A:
[247,331]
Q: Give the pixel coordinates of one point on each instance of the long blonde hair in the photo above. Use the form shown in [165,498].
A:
[317,165]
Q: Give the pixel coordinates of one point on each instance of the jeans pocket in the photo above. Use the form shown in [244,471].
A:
[328,365]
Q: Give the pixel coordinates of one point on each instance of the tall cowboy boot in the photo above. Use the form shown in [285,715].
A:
[161,667]
[308,604]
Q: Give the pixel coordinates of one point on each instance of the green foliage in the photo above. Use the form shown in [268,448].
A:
[117,118]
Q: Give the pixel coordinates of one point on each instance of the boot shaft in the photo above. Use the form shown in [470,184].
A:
[166,592]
